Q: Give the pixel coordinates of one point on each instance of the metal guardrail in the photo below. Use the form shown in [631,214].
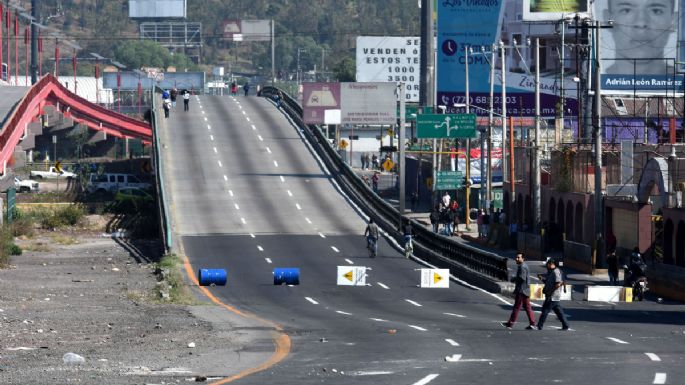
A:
[163,208]
[426,242]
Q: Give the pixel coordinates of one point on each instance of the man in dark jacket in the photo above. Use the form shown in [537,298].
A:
[522,293]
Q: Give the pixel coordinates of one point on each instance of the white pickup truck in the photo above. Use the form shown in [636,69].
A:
[52,173]
[25,185]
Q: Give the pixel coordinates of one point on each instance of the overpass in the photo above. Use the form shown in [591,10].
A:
[21,106]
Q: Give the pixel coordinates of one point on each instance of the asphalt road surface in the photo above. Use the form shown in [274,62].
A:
[248,195]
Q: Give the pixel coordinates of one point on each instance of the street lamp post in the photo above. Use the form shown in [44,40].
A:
[119,68]
[299,50]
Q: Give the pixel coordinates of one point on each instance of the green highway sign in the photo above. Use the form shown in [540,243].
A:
[416,147]
[446,126]
[497,198]
[410,110]
[449,180]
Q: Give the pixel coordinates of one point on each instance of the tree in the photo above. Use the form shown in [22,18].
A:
[146,53]
[345,70]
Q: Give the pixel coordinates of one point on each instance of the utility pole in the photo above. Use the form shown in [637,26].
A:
[402,162]
[273,54]
[536,157]
[597,128]
[490,123]
[468,147]
[426,85]
[34,41]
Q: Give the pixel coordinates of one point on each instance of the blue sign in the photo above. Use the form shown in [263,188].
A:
[654,83]
[461,25]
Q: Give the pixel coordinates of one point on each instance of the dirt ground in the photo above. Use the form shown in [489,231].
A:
[81,291]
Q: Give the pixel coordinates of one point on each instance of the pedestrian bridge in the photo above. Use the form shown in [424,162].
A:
[20,106]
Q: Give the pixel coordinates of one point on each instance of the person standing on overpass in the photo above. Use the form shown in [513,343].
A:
[186,100]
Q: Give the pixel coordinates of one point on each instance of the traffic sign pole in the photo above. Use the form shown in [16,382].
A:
[401,146]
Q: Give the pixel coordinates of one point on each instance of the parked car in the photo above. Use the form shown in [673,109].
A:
[109,182]
[133,195]
[25,185]
[52,173]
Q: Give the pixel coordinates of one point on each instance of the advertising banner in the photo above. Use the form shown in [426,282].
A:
[477,25]
[639,50]
[359,103]
[156,9]
[247,30]
[390,59]
[552,10]
[317,98]
[368,103]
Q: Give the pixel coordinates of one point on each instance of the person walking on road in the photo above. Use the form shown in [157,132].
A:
[612,262]
[246,88]
[374,180]
[552,291]
[167,107]
[446,200]
[173,94]
[186,100]
[522,294]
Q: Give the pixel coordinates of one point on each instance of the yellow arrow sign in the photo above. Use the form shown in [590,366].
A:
[388,165]
[436,278]
[348,275]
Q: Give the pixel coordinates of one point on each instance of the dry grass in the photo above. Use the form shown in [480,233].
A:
[64,239]
[36,246]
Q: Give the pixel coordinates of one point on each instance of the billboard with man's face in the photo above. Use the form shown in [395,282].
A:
[638,51]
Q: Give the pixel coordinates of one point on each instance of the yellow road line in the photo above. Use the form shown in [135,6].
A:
[282,343]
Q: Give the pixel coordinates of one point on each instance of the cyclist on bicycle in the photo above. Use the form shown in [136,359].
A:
[371,234]
[408,234]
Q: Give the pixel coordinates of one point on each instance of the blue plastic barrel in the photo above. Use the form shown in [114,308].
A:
[208,277]
[286,275]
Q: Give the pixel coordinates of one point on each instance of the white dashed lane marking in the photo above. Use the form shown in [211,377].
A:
[311,300]
[254,128]
[321,235]
[236,206]
[243,220]
[230,192]
[260,248]
[226,179]
[268,150]
[209,127]
[298,206]
[268,260]
[653,357]
[384,286]
[660,378]
[275,163]
[260,138]
[205,118]
[220,165]
[426,379]
[215,150]
[451,342]
[282,179]
[289,193]
[343,312]
[308,220]
[349,261]
[335,249]
[211,137]
[419,328]
[455,315]
[414,303]
[617,341]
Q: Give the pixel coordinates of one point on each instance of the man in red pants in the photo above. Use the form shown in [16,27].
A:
[522,293]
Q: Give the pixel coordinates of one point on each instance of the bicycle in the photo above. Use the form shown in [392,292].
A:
[372,246]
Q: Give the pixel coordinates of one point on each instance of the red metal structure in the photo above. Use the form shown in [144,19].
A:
[48,91]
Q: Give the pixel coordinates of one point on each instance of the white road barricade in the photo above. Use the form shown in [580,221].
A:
[351,275]
[608,293]
[435,278]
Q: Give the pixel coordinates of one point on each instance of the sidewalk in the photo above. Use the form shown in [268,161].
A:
[469,236]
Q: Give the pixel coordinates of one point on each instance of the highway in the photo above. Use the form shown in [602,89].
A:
[248,195]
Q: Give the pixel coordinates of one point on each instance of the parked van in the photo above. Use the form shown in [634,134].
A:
[108,182]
